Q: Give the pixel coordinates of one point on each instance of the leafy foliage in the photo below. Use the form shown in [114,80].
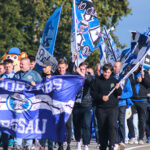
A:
[22,23]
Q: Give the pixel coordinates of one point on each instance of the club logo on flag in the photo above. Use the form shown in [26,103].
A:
[18,103]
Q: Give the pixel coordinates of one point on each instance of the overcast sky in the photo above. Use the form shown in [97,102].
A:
[139,20]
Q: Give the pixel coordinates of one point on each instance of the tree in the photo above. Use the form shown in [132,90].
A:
[22,23]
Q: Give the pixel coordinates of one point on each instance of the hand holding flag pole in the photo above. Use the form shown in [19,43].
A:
[129,73]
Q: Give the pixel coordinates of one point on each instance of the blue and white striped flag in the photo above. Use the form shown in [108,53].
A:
[139,47]
[85,29]
[38,112]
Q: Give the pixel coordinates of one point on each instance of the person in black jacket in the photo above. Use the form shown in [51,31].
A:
[140,83]
[63,70]
[106,106]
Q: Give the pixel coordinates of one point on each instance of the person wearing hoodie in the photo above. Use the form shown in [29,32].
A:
[106,106]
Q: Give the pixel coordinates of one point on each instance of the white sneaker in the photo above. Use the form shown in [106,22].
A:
[133,141]
[86,147]
[116,147]
[78,146]
[126,141]
[122,146]
[141,142]
[98,145]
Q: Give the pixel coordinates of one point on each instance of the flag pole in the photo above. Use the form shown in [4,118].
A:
[131,71]
[110,45]
[75,21]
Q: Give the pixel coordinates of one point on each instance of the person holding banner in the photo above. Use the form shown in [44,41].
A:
[62,70]
[46,75]
[106,107]
[33,77]
[9,73]
[82,109]
[140,83]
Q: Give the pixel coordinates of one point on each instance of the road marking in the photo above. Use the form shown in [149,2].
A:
[137,147]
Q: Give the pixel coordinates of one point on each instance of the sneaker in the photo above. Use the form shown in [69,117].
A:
[28,147]
[148,140]
[133,141]
[86,147]
[126,142]
[17,147]
[98,145]
[141,142]
[42,148]
[78,146]
[122,146]
[68,147]
[116,147]
[33,147]
[61,147]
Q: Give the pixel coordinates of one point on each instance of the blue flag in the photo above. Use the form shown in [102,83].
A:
[41,111]
[85,29]
[109,53]
[50,31]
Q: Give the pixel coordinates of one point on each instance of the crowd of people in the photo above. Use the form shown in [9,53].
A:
[113,128]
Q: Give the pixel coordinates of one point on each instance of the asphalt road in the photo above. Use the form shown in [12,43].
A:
[93,145]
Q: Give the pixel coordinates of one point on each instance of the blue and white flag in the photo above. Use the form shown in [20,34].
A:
[103,53]
[50,31]
[109,53]
[116,51]
[85,30]
[125,54]
[146,63]
[147,33]
[139,47]
[41,111]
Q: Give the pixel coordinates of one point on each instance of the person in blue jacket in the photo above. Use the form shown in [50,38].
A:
[123,101]
[140,83]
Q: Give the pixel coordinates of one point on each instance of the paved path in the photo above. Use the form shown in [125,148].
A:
[93,144]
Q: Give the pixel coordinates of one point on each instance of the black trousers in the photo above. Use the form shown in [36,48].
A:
[5,142]
[121,119]
[69,132]
[107,124]
[141,107]
[148,122]
[82,124]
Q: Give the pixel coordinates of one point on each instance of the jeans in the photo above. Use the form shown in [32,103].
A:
[82,124]
[18,141]
[141,108]
[121,119]
[43,143]
[95,125]
[148,123]
[5,142]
